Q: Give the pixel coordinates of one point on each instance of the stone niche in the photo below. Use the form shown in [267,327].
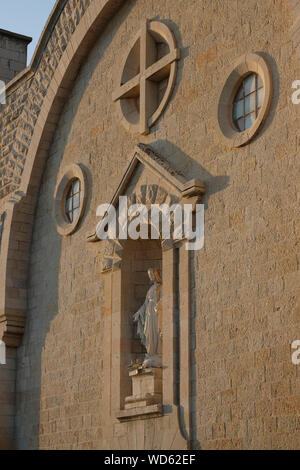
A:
[140,388]
[138,257]
[137,395]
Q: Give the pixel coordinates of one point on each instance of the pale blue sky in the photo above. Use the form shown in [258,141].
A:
[25,17]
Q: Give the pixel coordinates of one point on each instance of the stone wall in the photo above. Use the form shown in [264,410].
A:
[25,101]
[246,280]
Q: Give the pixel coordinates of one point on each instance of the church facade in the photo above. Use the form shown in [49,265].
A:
[141,343]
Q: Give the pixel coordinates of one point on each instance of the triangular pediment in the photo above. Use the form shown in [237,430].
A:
[162,171]
[149,179]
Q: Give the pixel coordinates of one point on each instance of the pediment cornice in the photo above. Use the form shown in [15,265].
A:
[163,171]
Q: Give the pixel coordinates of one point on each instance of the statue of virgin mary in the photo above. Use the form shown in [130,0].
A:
[148,321]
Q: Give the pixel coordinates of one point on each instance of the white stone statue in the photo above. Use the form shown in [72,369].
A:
[148,319]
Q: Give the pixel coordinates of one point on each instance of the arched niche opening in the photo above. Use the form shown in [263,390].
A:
[138,257]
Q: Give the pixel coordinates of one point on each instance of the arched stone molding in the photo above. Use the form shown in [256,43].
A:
[88,24]
[19,209]
[13,274]
[20,206]
[146,195]
[176,188]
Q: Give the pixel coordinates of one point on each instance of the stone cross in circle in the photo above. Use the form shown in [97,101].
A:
[144,85]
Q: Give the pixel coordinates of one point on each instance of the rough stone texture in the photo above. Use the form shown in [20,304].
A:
[18,119]
[246,280]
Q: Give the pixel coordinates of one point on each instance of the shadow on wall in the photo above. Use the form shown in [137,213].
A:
[214,184]
[191,168]
[43,387]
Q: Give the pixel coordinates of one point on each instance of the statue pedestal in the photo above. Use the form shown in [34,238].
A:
[146,388]
[146,398]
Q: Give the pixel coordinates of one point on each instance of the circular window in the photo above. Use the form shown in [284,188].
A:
[245,100]
[70,199]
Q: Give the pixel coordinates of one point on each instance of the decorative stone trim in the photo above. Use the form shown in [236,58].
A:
[246,64]
[64,227]
[184,191]
[146,412]
[37,116]
[140,57]
[147,195]
[139,395]
[146,400]
[37,93]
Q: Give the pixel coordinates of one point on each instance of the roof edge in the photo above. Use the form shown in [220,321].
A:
[47,31]
[26,39]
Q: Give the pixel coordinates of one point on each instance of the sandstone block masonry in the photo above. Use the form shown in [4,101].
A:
[244,388]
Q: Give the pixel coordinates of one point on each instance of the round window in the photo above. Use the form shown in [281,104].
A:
[245,100]
[248,102]
[70,199]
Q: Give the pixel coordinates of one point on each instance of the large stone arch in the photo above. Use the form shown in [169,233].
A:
[19,206]
[52,89]
[18,203]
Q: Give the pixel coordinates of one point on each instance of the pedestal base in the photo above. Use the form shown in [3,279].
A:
[146,398]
